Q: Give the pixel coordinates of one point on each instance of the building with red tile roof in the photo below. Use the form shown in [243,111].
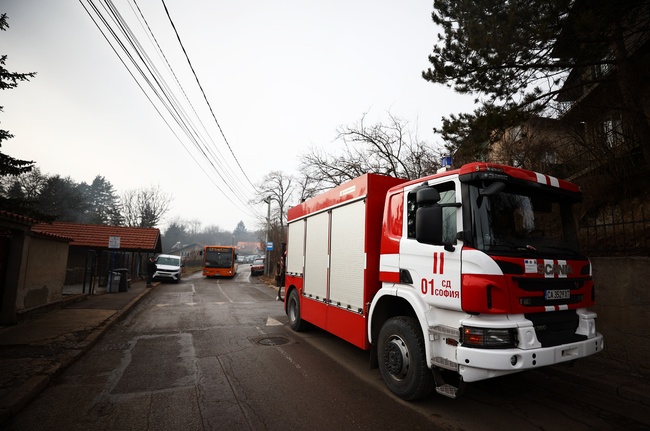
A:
[95,249]
[97,237]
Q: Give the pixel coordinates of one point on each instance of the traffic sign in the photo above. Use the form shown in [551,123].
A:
[113,242]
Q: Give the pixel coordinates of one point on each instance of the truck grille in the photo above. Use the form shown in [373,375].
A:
[542,284]
[555,328]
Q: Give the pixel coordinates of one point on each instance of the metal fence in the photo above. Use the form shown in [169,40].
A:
[619,229]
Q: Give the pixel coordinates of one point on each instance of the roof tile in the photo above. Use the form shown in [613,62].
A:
[96,236]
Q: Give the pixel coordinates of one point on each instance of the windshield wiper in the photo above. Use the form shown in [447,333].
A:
[561,248]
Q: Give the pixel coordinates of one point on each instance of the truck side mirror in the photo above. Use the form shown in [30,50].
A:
[427,196]
[428,224]
[428,216]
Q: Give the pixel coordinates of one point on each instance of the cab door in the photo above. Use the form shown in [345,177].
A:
[430,250]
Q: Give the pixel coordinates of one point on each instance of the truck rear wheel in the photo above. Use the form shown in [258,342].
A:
[402,359]
[293,311]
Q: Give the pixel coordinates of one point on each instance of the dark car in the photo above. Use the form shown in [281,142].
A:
[257,268]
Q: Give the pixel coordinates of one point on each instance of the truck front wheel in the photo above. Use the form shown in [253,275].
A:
[402,359]
[293,311]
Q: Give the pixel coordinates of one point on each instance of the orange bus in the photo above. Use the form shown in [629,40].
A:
[219,261]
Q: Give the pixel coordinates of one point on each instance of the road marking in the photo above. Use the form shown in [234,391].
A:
[224,294]
[272,322]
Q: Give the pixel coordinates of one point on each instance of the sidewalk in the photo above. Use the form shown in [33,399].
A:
[37,349]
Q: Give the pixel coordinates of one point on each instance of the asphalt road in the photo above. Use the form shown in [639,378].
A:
[210,354]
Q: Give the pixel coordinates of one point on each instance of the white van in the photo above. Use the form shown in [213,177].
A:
[168,267]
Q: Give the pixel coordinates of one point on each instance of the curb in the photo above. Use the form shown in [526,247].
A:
[95,335]
[17,399]
[36,312]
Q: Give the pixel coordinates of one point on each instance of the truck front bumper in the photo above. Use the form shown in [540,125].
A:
[479,364]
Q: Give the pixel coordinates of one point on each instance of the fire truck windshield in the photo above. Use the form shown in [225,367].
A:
[523,221]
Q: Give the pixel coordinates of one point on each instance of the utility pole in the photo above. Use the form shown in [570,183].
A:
[268,224]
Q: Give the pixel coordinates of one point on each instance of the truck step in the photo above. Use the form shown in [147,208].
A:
[447,390]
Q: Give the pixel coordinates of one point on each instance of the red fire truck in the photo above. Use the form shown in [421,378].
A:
[457,277]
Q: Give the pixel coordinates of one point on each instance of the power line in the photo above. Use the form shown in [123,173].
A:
[135,79]
[203,92]
[216,158]
[161,89]
[163,92]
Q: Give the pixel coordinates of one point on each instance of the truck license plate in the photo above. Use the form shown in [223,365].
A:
[558,294]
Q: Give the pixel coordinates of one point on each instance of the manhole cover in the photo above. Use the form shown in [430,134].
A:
[272,341]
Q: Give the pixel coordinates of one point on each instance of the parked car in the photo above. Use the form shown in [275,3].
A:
[257,268]
[168,267]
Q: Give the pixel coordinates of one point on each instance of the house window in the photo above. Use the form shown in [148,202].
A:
[613,132]
[602,69]
[549,157]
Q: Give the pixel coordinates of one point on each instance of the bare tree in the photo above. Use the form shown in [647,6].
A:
[277,191]
[129,208]
[32,183]
[277,187]
[145,207]
[387,149]
[214,235]
[307,186]
[194,226]
[28,184]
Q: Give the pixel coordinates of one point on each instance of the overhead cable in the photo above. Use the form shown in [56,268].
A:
[165,95]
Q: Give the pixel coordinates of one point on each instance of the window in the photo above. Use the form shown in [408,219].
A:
[613,130]
[449,229]
[447,196]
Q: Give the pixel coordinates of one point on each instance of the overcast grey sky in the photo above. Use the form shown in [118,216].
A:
[280,77]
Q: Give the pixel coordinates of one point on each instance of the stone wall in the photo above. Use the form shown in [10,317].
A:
[623,307]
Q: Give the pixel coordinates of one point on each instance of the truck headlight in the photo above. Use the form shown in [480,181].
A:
[489,338]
